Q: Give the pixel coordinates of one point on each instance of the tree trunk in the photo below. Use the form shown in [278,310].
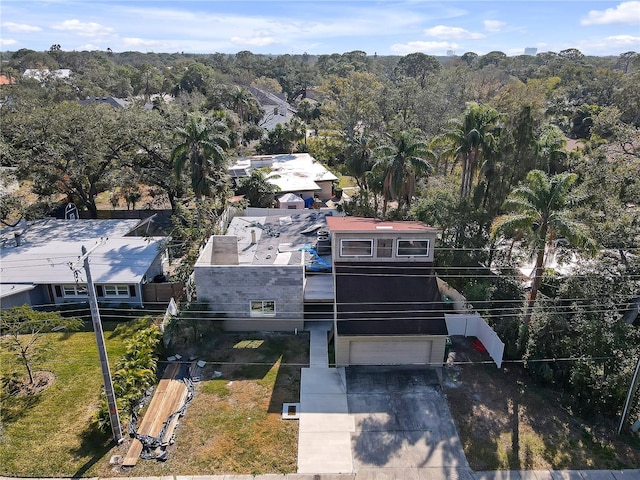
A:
[25,360]
[535,285]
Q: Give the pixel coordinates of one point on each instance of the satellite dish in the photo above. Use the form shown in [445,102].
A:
[71,212]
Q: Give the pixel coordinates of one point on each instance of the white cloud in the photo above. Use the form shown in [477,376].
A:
[433,48]
[493,25]
[626,12]
[20,27]
[88,29]
[7,41]
[257,41]
[452,33]
[609,45]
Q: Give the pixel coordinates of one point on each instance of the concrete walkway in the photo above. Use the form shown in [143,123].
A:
[324,431]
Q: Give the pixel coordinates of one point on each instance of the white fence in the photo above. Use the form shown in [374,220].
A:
[473,325]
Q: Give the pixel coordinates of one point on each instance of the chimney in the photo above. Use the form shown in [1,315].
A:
[253,237]
[18,237]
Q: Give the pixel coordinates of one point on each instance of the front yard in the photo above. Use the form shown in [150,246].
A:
[233,425]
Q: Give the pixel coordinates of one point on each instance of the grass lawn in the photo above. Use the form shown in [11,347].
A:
[233,425]
[507,422]
[49,434]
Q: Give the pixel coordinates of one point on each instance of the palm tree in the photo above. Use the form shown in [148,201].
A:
[402,162]
[469,137]
[359,159]
[540,210]
[203,147]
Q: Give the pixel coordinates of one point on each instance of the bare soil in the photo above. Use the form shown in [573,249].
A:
[507,421]
[41,381]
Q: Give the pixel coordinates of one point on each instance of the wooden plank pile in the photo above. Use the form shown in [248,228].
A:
[170,396]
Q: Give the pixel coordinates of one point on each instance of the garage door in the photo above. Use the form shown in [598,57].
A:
[389,352]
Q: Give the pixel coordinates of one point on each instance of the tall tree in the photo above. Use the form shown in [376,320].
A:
[418,66]
[203,148]
[403,161]
[469,137]
[540,211]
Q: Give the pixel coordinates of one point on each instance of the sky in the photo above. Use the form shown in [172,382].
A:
[383,27]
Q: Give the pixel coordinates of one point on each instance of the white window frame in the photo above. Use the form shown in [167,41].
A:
[262,308]
[120,291]
[72,290]
[401,240]
[345,240]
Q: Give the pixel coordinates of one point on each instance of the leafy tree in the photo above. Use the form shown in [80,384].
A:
[419,66]
[360,158]
[540,211]
[202,147]
[257,189]
[23,331]
[403,161]
[469,138]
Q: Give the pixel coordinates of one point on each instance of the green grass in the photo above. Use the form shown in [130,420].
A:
[55,424]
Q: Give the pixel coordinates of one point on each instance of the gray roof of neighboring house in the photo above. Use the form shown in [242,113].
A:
[48,248]
[276,108]
[113,101]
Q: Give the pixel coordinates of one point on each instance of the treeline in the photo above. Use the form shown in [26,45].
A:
[518,160]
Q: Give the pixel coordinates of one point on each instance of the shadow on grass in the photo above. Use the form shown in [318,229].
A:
[14,407]
[94,445]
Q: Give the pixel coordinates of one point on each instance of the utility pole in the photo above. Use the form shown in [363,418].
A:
[632,391]
[102,351]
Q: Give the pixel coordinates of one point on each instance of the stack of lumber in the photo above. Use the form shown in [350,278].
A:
[169,397]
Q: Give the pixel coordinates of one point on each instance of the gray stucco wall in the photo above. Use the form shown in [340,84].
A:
[229,289]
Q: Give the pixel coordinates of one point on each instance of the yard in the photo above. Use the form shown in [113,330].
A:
[505,421]
[233,425]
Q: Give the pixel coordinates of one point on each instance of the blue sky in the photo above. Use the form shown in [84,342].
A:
[385,27]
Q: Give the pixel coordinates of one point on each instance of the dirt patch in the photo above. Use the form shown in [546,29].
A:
[507,421]
[41,381]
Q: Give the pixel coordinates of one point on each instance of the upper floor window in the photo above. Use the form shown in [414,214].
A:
[412,248]
[384,248]
[356,248]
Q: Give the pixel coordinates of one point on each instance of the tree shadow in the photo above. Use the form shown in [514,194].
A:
[94,445]
[14,406]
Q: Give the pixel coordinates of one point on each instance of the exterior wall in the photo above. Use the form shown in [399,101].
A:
[326,192]
[16,300]
[381,235]
[342,345]
[229,290]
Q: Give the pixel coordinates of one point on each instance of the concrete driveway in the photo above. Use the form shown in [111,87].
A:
[402,424]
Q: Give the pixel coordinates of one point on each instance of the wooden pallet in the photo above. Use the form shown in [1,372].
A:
[169,397]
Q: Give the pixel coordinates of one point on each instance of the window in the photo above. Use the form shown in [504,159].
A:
[356,248]
[261,308]
[413,248]
[74,290]
[384,248]
[116,290]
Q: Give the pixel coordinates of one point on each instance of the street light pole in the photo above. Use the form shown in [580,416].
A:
[102,351]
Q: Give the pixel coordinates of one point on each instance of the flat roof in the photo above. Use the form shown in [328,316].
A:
[291,172]
[278,238]
[362,224]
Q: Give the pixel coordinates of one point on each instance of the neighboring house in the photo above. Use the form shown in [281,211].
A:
[258,277]
[276,108]
[388,307]
[37,261]
[297,173]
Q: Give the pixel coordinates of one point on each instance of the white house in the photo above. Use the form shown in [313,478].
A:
[40,263]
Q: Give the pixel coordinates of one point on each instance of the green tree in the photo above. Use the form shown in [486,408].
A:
[202,148]
[419,66]
[403,161]
[469,137]
[258,190]
[23,331]
[540,211]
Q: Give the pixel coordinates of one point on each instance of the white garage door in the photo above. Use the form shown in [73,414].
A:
[389,352]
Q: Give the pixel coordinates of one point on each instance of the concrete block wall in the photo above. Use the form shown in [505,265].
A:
[230,289]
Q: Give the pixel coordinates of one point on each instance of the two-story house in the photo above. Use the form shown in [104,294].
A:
[387,308]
